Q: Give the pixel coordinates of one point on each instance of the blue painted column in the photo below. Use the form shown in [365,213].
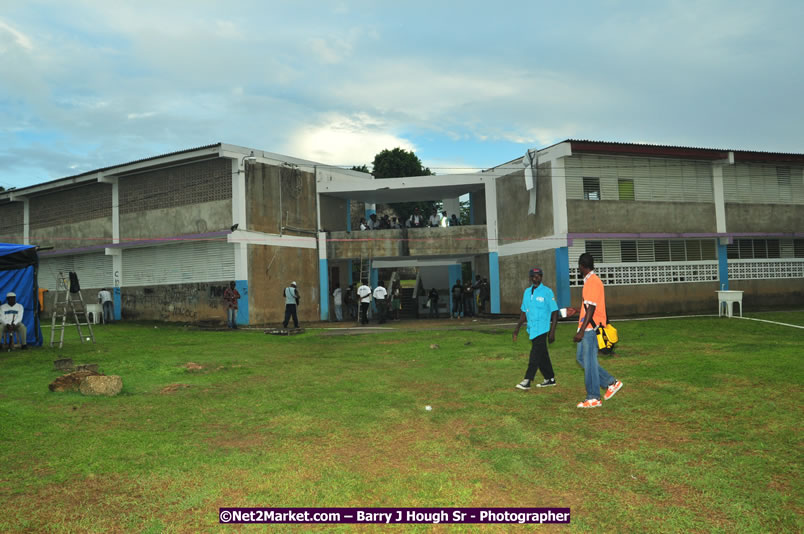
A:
[117,304]
[242,305]
[454,275]
[323,283]
[494,281]
[350,268]
[723,267]
[562,277]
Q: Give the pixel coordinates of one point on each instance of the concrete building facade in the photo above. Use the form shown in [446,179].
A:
[668,226]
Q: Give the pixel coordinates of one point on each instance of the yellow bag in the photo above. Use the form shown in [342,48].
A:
[606,338]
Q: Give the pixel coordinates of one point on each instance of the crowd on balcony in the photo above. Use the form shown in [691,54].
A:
[416,220]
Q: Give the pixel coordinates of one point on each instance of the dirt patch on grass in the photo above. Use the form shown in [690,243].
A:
[192,366]
[173,388]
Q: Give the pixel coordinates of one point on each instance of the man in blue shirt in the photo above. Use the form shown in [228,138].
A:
[540,311]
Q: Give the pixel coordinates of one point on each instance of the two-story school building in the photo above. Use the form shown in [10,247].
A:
[668,226]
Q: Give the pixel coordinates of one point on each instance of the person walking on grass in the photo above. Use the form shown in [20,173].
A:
[540,311]
[593,313]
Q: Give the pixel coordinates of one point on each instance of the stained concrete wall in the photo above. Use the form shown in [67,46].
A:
[11,222]
[188,303]
[514,223]
[271,189]
[181,220]
[74,235]
[333,214]
[614,216]
[271,270]
[454,240]
[764,218]
[770,294]
[514,276]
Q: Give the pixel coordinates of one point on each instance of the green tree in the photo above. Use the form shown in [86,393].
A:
[361,168]
[399,162]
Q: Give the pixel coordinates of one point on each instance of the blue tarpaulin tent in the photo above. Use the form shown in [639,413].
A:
[19,265]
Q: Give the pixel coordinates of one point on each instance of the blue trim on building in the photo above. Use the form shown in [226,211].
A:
[350,267]
[117,303]
[494,281]
[562,277]
[454,275]
[723,267]
[242,305]
[323,279]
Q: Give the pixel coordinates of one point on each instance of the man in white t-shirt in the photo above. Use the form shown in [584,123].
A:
[381,301]
[337,298]
[364,294]
[12,313]
[105,300]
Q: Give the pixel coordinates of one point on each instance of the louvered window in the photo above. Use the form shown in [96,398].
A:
[784,183]
[798,248]
[94,271]
[193,262]
[595,248]
[591,188]
[628,251]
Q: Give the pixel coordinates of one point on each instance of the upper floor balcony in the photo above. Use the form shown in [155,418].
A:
[408,242]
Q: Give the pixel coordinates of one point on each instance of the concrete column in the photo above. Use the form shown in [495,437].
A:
[117,271]
[723,266]
[348,215]
[370,208]
[559,185]
[374,281]
[491,232]
[240,248]
[494,281]
[471,209]
[451,205]
[562,277]
[323,275]
[719,197]
[350,274]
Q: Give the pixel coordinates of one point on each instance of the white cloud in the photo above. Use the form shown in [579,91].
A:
[19,38]
[141,115]
[345,140]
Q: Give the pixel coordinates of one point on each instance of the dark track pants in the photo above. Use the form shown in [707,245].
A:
[539,359]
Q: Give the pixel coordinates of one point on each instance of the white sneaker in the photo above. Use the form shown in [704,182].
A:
[525,384]
[547,383]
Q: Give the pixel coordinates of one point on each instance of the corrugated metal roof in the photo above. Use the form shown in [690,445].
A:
[104,169]
[613,146]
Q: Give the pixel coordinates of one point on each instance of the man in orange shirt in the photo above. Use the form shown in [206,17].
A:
[593,313]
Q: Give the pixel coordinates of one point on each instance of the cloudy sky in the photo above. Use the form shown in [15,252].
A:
[465,84]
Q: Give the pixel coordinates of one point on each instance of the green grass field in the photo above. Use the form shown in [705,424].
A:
[704,436]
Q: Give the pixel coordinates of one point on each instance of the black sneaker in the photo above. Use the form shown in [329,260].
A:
[547,383]
[525,384]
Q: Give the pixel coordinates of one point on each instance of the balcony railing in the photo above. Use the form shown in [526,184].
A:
[417,242]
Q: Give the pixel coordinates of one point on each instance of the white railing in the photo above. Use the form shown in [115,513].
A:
[651,273]
[766,269]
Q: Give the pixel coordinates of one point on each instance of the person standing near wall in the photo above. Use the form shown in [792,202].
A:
[106,302]
[337,299]
[230,298]
[540,311]
[364,294]
[291,295]
[381,301]
[457,300]
[433,297]
[593,313]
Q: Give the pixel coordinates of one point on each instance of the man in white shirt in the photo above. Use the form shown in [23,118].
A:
[337,297]
[105,300]
[435,219]
[12,313]
[380,300]
[364,294]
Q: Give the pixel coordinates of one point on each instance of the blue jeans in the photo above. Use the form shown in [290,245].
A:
[594,376]
[339,312]
[231,317]
[108,311]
